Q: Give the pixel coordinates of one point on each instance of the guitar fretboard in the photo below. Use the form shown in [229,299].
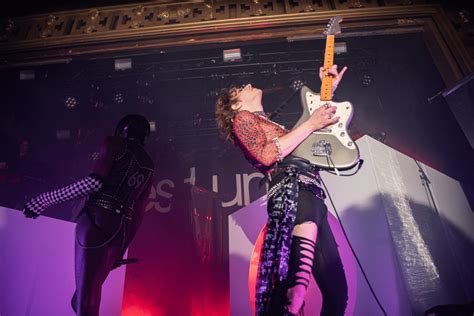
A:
[326,85]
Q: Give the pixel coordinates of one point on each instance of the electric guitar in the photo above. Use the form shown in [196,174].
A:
[331,147]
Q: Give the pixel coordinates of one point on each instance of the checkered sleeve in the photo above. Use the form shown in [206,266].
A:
[78,189]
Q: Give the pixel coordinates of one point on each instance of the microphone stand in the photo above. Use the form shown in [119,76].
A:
[448,91]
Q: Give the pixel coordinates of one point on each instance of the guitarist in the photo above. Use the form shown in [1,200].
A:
[298,241]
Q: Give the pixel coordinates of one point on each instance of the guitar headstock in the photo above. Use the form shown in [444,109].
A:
[333,26]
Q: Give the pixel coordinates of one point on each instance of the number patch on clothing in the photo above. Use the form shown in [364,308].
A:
[136,180]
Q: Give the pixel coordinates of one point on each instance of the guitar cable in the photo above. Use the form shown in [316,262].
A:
[350,245]
[337,173]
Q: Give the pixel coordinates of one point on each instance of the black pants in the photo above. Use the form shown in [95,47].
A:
[327,267]
[101,239]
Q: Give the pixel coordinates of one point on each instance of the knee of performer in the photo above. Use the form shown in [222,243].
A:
[305,226]
[307,230]
[296,297]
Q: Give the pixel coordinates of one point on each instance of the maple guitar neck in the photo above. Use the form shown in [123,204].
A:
[326,84]
[331,147]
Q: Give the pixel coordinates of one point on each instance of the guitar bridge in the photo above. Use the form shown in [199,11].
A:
[321,148]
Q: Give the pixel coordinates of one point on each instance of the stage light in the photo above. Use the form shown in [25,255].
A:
[296,84]
[152,126]
[340,48]
[119,98]
[27,75]
[366,80]
[71,102]
[123,64]
[94,156]
[231,55]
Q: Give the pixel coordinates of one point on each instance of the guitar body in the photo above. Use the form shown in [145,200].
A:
[331,147]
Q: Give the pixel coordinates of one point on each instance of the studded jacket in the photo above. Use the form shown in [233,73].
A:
[128,174]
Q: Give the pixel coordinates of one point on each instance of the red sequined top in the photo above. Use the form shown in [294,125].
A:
[255,135]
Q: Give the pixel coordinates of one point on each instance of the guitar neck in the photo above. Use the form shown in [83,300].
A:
[326,85]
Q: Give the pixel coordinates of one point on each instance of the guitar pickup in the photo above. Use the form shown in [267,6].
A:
[321,148]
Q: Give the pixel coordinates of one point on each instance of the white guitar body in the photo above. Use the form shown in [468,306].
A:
[330,147]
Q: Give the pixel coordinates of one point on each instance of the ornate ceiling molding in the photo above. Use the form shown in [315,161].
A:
[174,19]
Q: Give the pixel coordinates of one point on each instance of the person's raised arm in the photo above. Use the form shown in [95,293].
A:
[81,188]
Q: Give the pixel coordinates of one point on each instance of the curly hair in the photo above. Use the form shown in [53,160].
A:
[225,113]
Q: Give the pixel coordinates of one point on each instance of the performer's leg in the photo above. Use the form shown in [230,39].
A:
[328,272]
[300,265]
[92,263]
[130,229]
[92,268]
